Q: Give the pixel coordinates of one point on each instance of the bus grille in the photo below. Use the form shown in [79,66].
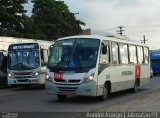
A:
[23,73]
[61,80]
[25,80]
[75,81]
[23,77]
[67,89]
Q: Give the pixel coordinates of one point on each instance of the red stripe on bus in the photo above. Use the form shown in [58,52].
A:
[137,72]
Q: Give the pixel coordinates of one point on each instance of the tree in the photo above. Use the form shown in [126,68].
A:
[31,30]
[11,12]
[54,19]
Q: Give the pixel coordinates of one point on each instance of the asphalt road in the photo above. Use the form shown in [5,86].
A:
[34,101]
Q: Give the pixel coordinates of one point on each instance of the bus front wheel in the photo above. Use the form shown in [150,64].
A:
[105,93]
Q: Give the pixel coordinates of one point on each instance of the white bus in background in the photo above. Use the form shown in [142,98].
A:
[27,62]
[6,41]
[96,66]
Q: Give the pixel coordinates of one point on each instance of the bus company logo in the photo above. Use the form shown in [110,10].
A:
[126,73]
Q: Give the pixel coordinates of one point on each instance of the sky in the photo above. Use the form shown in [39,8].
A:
[138,17]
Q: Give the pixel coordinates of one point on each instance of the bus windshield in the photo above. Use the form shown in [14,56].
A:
[73,54]
[24,59]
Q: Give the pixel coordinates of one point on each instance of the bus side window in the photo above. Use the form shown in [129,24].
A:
[123,50]
[146,55]
[132,54]
[115,55]
[140,54]
[104,57]
[44,56]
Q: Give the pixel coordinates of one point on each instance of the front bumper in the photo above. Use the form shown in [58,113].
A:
[85,89]
[23,81]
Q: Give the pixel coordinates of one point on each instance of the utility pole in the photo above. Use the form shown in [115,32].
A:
[144,39]
[120,31]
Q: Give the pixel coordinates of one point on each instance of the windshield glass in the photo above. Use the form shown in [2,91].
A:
[23,59]
[72,54]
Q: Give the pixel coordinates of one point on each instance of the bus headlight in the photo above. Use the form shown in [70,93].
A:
[10,75]
[89,78]
[35,74]
[47,77]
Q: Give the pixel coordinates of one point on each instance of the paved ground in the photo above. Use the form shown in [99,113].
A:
[35,101]
[150,101]
[147,101]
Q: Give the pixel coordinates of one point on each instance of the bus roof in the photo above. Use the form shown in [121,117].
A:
[115,38]
[6,41]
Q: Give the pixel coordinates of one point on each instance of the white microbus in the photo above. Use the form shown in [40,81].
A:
[27,62]
[96,66]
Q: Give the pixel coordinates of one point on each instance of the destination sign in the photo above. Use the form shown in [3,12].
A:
[23,46]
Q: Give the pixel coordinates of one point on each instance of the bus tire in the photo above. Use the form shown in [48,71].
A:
[136,85]
[61,97]
[105,93]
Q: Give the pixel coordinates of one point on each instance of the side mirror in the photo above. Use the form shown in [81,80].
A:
[104,49]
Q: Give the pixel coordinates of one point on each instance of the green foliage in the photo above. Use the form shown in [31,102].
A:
[11,12]
[54,19]
[50,20]
[31,30]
